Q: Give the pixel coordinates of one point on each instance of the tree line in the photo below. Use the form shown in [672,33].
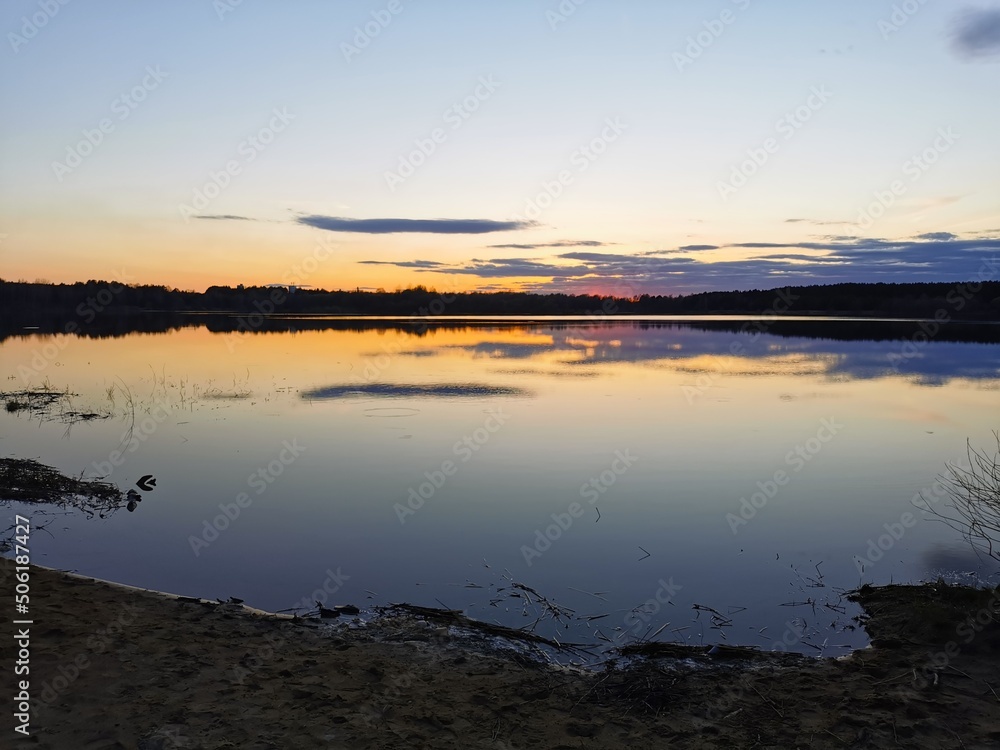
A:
[980,301]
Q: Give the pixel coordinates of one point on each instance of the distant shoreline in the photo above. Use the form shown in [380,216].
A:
[82,303]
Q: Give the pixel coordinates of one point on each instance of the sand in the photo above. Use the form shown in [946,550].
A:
[114,667]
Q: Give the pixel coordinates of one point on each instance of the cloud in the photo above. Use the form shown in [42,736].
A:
[935,256]
[518,268]
[977,33]
[940,236]
[816,222]
[225,217]
[680,250]
[403,263]
[561,243]
[496,267]
[422,226]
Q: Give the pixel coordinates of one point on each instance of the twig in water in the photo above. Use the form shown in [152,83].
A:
[658,631]
[596,594]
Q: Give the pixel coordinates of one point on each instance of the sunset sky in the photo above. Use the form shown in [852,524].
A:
[619,147]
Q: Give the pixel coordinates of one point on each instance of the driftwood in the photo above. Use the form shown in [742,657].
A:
[455,618]
[27,481]
[24,480]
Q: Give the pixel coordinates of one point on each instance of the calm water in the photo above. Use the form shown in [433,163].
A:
[601,464]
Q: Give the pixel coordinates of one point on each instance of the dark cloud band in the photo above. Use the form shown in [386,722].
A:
[417,226]
[934,256]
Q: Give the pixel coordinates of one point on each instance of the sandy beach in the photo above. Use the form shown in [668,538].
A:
[114,667]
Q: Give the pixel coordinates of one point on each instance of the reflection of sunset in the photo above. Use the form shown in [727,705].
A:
[790,364]
[429,351]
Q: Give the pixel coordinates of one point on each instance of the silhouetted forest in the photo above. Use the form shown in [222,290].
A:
[83,302]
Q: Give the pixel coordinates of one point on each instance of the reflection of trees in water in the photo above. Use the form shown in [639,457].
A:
[113,326]
[857,349]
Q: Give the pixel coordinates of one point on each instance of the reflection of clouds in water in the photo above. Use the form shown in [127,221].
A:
[390,390]
[489,349]
[390,412]
[494,350]
[692,348]
[786,364]
[550,373]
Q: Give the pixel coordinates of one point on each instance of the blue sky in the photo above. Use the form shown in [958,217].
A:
[623,146]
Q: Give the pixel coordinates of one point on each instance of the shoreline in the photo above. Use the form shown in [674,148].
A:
[115,666]
[474,635]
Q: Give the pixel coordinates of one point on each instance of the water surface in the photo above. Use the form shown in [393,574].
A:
[610,466]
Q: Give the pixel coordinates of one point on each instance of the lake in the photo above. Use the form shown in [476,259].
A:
[700,481]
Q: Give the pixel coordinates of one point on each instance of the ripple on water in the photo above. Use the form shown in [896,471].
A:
[390,411]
